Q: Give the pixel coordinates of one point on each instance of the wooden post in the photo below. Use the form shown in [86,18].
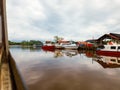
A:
[0,25]
[4,27]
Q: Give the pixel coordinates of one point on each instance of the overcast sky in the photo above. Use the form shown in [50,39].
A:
[70,19]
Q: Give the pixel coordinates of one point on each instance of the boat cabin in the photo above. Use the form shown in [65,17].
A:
[110,48]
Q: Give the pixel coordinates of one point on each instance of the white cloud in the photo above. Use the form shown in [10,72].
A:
[72,19]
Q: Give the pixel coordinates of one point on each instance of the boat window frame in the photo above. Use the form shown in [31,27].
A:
[113,47]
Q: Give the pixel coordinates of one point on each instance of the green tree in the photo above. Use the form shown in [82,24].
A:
[57,38]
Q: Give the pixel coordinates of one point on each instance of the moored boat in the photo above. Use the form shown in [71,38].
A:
[70,46]
[48,47]
[109,50]
[66,46]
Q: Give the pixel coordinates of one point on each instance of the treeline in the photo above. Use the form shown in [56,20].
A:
[27,43]
[14,43]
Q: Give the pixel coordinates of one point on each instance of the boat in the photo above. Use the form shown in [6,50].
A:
[59,46]
[66,46]
[70,46]
[109,50]
[49,47]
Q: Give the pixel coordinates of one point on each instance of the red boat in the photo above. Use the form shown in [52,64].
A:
[109,50]
[48,48]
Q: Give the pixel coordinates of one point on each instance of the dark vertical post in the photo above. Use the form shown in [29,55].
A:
[4,27]
[0,25]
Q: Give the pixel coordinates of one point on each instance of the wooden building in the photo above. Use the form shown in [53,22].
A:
[108,38]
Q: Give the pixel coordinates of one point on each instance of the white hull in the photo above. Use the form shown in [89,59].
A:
[66,46]
[109,50]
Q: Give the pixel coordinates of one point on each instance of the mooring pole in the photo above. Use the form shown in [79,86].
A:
[4,36]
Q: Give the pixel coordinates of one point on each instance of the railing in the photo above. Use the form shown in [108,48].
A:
[10,78]
[1,53]
[17,81]
[5,78]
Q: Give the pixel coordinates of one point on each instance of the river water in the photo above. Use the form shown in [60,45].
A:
[66,69]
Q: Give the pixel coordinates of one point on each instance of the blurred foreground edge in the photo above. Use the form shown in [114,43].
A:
[10,78]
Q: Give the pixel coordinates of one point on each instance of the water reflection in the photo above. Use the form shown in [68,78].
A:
[108,61]
[30,48]
[64,70]
[70,53]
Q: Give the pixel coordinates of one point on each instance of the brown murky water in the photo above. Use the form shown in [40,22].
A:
[66,70]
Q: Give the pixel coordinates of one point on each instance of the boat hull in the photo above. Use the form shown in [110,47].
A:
[108,53]
[48,48]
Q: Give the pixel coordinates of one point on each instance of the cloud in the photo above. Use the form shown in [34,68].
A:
[71,19]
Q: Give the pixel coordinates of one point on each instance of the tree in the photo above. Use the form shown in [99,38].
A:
[13,43]
[58,38]
[32,42]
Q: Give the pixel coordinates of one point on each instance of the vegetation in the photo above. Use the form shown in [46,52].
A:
[57,38]
[32,42]
[13,43]
[27,43]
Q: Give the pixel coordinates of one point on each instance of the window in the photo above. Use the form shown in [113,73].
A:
[118,47]
[113,47]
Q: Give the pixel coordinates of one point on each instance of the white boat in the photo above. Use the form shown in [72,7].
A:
[109,50]
[66,46]
[70,46]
